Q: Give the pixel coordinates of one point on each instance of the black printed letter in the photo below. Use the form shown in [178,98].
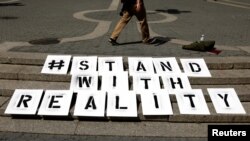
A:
[83,80]
[117,98]
[91,103]
[24,101]
[168,66]
[156,101]
[190,96]
[110,65]
[197,66]
[114,81]
[174,83]
[84,64]
[52,101]
[146,82]
[225,99]
[140,66]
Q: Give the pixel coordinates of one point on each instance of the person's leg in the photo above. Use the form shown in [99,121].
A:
[120,25]
[142,18]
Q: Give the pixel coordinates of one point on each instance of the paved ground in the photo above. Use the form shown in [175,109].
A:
[43,137]
[173,22]
[32,29]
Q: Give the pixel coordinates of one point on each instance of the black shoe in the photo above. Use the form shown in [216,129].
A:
[150,41]
[113,42]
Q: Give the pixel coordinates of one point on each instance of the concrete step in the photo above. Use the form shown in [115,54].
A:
[212,62]
[212,118]
[243,91]
[97,128]
[176,117]
[7,87]
[224,77]
[232,73]
[27,72]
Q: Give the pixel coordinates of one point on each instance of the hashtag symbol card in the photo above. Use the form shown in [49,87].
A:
[56,64]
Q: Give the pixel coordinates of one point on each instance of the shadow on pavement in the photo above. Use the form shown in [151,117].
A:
[172,11]
[11,4]
[129,43]
[8,17]
[156,41]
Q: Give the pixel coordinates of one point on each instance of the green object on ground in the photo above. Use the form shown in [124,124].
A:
[200,46]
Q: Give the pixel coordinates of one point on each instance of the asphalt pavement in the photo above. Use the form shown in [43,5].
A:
[82,27]
[32,29]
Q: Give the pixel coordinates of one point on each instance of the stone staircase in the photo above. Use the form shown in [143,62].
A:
[227,72]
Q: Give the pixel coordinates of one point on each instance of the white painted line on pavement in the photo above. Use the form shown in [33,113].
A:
[101,28]
[114,5]
[8,45]
[229,4]
[168,17]
[9,1]
[237,2]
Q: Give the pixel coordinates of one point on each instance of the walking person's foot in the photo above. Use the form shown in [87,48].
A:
[113,42]
[149,41]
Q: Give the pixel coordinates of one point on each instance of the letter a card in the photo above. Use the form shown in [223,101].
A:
[90,104]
